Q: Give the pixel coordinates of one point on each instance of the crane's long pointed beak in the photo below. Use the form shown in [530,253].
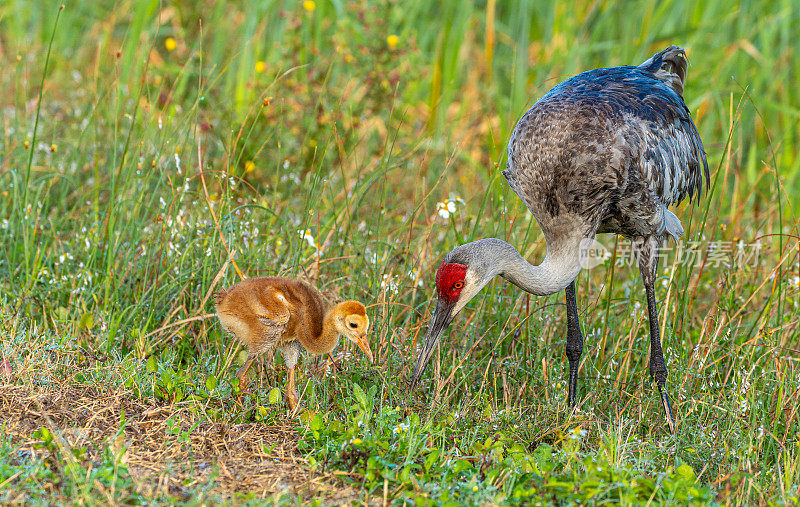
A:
[442,317]
[363,344]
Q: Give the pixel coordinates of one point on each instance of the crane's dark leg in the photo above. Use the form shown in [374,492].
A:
[648,263]
[574,343]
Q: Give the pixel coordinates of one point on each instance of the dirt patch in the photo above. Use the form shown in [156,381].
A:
[170,450]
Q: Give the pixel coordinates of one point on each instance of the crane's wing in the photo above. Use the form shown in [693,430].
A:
[258,321]
[273,316]
[673,160]
[671,155]
[590,137]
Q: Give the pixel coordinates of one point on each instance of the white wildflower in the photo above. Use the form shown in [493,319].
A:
[400,428]
[306,236]
[577,433]
[446,208]
[389,283]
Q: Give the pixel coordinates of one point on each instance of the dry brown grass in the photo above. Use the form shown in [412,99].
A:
[168,449]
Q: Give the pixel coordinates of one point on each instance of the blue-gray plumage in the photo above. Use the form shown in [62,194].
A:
[614,147]
[608,150]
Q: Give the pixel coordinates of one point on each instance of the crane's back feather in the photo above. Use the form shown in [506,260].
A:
[611,147]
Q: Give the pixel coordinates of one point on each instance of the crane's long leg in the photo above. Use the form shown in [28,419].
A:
[648,263]
[574,343]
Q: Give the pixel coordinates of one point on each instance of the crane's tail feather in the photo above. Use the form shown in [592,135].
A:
[672,225]
[669,66]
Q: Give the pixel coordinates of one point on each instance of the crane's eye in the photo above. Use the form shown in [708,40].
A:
[459,284]
[353,325]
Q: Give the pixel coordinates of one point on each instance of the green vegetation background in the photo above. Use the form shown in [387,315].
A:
[145,144]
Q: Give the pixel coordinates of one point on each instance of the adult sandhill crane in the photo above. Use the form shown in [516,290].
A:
[274,312]
[605,151]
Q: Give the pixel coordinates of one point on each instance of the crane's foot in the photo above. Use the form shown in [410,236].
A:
[334,364]
[667,408]
[330,365]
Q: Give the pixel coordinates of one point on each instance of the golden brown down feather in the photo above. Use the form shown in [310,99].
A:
[273,312]
[257,307]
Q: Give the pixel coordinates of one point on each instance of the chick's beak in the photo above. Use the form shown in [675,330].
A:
[442,317]
[363,344]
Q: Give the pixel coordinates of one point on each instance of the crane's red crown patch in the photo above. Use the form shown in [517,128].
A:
[450,281]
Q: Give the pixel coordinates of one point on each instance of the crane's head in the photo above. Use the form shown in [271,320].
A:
[463,273]
[669,66]
[351,321]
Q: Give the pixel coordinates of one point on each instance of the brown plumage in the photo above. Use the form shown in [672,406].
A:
[272,312]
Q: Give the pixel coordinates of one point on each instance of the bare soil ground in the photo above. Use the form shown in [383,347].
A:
[167,450]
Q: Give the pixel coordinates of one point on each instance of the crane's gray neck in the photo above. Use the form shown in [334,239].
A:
[556,271]
[491,257]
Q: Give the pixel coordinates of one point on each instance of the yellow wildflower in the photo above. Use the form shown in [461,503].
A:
[309,5]
[170,44]
[261,67]
[393,40]
[249,166]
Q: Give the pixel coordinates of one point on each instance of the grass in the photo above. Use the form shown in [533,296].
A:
[274,139]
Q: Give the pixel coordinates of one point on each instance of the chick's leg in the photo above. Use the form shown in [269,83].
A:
[268,366]
[242,373]
[291,352]
[291,392]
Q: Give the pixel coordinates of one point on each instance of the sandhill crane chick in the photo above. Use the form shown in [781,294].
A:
[272,312]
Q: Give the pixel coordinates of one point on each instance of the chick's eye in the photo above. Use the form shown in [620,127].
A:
[353,325]
[458,285]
